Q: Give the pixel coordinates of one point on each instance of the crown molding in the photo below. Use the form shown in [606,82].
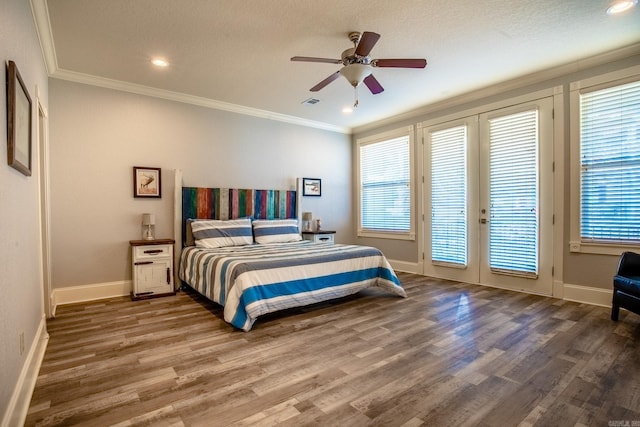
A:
[190,99]
[40,13]
[508,85]
[41,18]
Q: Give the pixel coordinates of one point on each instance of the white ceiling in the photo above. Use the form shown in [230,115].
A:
[235,55]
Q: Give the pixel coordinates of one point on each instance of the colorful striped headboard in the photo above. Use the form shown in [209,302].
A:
[232,203]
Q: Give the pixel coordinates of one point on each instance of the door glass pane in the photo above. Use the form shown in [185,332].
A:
[513,193]
[449,196]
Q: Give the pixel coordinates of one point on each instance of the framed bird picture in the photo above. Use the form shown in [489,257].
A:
[147,182]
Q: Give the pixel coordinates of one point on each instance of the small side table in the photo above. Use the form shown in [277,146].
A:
[152,268]
[319,236]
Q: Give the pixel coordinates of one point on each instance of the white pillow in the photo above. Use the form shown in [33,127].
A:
[276,230]
[218,233]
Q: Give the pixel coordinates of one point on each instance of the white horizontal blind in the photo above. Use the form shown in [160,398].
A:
[449,196]
[385,193]
[513,174]
[610,164]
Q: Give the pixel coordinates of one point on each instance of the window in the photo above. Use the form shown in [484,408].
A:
[385,189]
[608,132]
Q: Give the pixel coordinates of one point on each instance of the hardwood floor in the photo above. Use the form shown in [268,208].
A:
[449,354]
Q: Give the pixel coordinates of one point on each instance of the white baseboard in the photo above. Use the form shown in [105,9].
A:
[569,292]
[558,289]
[588,295]
[407,267]
[73,294]
[21,397]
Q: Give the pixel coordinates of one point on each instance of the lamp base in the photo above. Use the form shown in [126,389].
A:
[148,233]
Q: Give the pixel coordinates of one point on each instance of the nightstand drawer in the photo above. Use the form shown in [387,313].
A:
[151,251]
[328,238]
[319,236]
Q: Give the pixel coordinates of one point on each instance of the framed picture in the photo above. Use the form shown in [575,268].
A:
[147,182]
[18,121]
[311,187]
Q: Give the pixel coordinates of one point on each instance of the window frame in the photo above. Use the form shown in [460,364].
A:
[407,131]
[576,244]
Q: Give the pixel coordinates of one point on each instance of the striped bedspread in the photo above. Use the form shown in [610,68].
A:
[253,280]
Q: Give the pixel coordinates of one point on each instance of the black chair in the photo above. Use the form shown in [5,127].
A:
[626,285]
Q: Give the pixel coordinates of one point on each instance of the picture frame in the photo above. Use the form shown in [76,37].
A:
[18,121]
[311,187]
[147,182]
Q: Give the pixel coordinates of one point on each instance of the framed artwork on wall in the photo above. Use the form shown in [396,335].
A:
[18,121]
[311,187]
[147,182]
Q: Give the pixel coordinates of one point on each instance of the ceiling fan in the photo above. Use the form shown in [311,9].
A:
[358,65]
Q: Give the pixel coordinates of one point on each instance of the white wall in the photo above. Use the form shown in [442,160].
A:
[21,307]
[97,135]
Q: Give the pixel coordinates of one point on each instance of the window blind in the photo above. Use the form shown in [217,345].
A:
[385,193]
[513,194]
[610,164]
[449,196]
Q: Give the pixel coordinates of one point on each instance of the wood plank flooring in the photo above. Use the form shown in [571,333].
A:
[450,354]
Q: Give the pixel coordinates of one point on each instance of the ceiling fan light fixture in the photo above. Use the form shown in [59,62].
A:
[621,6]
[159,62]
[355,73]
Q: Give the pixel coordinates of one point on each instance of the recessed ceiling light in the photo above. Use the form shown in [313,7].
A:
[621,6]
[159,62]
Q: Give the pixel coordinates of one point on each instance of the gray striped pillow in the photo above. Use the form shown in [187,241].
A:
[218,233]
[276,230]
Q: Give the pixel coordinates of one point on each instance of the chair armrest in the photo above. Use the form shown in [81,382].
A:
[629,264]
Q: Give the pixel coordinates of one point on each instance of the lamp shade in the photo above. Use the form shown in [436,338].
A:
[148,219]
[355,73]
[307,216]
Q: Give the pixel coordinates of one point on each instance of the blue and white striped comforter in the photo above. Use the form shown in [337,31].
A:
[253,280]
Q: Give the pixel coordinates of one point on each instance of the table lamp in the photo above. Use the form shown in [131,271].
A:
[148,226]
[307,217]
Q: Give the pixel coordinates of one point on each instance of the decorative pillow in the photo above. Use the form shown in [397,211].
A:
[218,234]
[276,230]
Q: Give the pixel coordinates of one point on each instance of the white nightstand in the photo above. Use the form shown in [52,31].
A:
[319,236]
[152,268]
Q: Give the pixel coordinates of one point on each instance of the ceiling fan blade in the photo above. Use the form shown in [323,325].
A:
[325,82]
[367,41]
[400,63]
[373,84]
[312,59]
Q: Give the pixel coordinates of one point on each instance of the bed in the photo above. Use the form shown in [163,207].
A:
[242,249]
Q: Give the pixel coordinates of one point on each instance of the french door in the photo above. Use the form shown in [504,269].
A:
[488,198]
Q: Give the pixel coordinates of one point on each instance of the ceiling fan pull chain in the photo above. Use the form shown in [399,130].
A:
[355,102]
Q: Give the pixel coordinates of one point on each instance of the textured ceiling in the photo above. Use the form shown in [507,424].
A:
[236,54]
